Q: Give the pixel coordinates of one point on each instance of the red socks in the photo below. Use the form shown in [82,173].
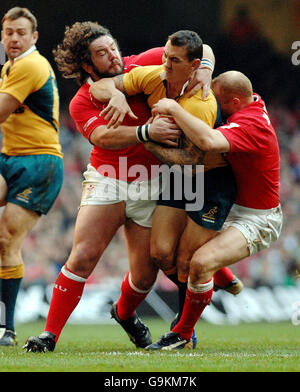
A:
[223,277]
[67,292]
[197,298]
[130,298]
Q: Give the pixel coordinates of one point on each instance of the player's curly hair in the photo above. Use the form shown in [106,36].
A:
[74,51]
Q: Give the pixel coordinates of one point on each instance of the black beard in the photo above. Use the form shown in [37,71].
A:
[106,74]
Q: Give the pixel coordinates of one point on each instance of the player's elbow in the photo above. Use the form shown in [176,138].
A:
[3,117]
[100,138]
[4,113]
[100,94]
[204,143]
[103,142]
[209,145]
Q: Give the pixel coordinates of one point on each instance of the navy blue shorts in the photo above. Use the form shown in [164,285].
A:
[33,181]
[219,194]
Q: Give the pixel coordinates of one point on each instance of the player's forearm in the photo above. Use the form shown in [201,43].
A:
[208,54]
[105,88]
[195,129]
[114,139]
[173,156]
[8,104]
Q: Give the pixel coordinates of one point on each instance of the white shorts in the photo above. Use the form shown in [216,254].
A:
[140,197]
[259,227]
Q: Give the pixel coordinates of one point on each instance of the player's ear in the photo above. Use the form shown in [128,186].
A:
[236,101]
[196,64]
[35,37]
[87,67]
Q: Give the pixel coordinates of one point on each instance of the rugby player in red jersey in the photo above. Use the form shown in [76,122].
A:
[250,143]
[89,53]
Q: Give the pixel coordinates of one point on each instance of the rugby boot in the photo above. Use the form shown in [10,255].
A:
[234,287]
[9,338]
[137,331]
[169,341]
[40,344]
[192,344]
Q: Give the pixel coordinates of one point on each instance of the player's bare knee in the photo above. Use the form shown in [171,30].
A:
[143,283]
[163,257]
[198,270]
[5,242]
[83,259]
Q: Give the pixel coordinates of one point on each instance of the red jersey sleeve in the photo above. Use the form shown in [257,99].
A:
[149,57]
[237,137]
[86,113]
[250,129]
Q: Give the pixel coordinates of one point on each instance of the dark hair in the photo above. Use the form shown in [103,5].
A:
[191,40]
[74,51]
[19,12]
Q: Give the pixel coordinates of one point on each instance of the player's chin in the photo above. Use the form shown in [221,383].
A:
[13,53]
[116,70]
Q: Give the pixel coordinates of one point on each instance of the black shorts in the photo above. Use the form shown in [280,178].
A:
[218,196]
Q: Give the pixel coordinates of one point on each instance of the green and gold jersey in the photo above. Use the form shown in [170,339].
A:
[34,127]
[150,81]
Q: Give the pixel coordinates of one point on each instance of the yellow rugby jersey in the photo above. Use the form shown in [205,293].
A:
[34,127]
[150,81]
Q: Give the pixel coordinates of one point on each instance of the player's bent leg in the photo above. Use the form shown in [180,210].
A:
[193,237]
[227,248]
[94,229]
[136,284]
[91,237]
[222,250]
[3,191]
[15,224]
[168,225]
[141,265]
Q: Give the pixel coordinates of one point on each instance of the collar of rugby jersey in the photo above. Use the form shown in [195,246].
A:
[30,50]
[89,81]
[184,87]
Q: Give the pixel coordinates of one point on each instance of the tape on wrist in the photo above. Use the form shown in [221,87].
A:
[207,64]
[142,133]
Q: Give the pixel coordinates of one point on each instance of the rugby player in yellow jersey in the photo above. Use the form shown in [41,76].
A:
[31,166]
[177,232]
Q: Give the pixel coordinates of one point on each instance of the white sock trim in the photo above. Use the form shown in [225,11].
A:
[135,288]
[201,287]
[72,276]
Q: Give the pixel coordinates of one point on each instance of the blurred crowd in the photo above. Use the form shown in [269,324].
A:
[275,78]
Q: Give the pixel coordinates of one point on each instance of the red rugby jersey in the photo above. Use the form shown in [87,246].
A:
[254,155]
[85,111]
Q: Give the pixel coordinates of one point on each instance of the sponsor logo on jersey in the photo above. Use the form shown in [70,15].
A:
[210,216]
[25,195]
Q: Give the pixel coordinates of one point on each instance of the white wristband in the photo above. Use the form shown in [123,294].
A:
[206,63]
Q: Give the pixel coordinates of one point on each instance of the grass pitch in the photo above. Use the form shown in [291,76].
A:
[255,347]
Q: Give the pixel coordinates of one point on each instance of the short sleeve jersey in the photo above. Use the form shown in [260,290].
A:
[254,155]
[34,126]
[150,81]
[85,111]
